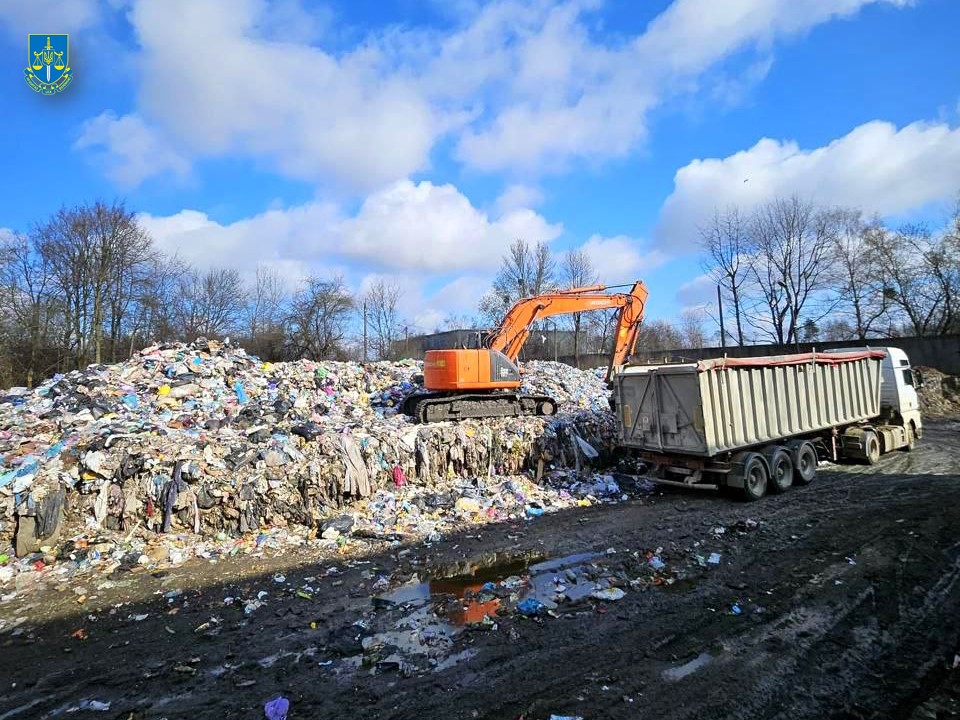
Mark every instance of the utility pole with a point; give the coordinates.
(723, 333)
(365, 331)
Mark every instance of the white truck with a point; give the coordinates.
(761, 424)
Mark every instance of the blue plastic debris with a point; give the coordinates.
(736, 609)
(656, 563)
(28, 466)
(241, 393)
(531, 606)
(277, 708)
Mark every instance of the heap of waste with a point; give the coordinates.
(206, 439)
(940, 394)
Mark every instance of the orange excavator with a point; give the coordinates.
(486, 382)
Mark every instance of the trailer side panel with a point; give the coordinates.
(717, 406)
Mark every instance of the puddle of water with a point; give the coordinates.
(565, 579)
(681, 671)
(451, 660)
(421, 620)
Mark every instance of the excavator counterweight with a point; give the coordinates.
(486, 382)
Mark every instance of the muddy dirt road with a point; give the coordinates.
(841, 599)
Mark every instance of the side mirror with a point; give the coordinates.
(917, 378)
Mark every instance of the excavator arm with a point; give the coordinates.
(513, 332)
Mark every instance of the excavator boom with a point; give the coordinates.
(513, 332)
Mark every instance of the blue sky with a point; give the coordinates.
(414, 139)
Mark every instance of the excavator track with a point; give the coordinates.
(438, 407)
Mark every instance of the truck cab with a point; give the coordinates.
(898, 390)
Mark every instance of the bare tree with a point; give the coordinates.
(210, 304)
(577, 271)
(28, 300)
(656, 335)
(381, 302)
(319, 319)
(97, 255)
(790, 268)
(155, 318)
(902, 259)
(727, 244)
(455, 321)
(524, 272)
(859, 280)
(265, 310)
(692, 334)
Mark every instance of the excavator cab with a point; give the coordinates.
(470, 369)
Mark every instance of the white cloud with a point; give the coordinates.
(434, 228)
(693, 34)
(521, 86)
(518, 196)
(699, 292)
(38, 16)
(568, 96)
(214, 78)
(875, 167)
(129, 149)
(422, 229)
(621, 259)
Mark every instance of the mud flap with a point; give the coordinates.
(734, 480)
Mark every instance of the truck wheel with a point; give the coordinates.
(781, 469)
(871, 447)
(804, 463)
(755, 477)
(911, 438)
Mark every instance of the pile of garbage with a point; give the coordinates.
(572, 388)
(940, 394)
(206, 439)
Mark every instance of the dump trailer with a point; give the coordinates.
(761, 424)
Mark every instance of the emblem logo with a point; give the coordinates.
(48, 63)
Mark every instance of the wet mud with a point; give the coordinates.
(836, 600)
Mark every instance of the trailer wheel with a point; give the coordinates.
(871, 447)
(781, 469)
(804, 463)
(755, 477)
